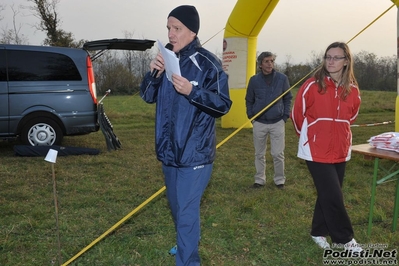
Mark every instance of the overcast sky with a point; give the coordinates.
(295, 29)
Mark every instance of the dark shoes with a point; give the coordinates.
(257, 185)
(281, 186)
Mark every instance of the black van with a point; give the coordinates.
(49, 92)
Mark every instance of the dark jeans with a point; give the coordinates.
(330, 216)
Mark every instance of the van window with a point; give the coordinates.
(40, 66)
(3, 73)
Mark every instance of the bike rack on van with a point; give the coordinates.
(107, 129)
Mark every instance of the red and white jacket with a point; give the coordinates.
(322, 122)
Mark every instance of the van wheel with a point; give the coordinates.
(41, 131)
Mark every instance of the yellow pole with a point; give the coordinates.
(396, 2)
(239, 53)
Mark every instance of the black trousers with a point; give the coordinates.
(330, 216)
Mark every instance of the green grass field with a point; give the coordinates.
(240, 226)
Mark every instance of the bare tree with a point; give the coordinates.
(2, 8)
(373, 73)
(112, 73)
(137, 63)
(143, 59)
(46, 12)
(13, 35)
(128, 55)
(316, 59)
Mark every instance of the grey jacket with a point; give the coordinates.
(260, 94)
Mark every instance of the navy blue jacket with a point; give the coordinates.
(260, 94)
(185, 130)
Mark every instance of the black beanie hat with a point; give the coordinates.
(187, 15)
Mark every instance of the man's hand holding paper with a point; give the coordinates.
(170, 60)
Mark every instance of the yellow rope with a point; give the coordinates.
(217, 146)
(115, 226)
(212, 37)
(371, 23)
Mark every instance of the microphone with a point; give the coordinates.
(154, 72)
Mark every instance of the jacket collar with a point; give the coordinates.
(272, 74)
(189, 49)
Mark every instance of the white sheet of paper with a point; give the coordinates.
(171, 61)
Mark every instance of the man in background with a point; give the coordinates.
(264, 88)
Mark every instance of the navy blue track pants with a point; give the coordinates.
(184, 190)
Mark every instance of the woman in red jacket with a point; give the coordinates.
(325, 107)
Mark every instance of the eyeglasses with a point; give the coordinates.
(335, 58)
(268, 61)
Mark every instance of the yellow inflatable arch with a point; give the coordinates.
(239, 53)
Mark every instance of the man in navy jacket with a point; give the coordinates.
(185, 130)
